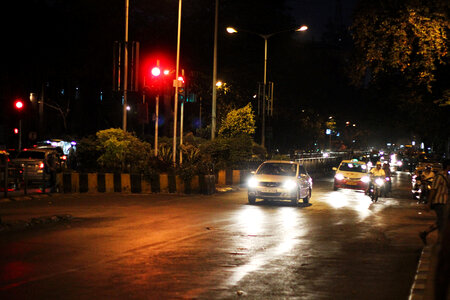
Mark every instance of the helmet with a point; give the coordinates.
(378, 163)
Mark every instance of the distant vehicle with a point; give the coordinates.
(32, 162)
(420, 188)
(11, 171)
(60, 153)
(351, 174)
(280, 180)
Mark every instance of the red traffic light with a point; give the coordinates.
(18, 104)
(156, 71)
(16, 131)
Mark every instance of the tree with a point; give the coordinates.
(239, 121)
(407, 37)
(121, 150)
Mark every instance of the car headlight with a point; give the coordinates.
(365, 179)
(289, 184)
(252, 182)
(339, 176)
(379, 181)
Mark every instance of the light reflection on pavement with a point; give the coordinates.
(251, 221)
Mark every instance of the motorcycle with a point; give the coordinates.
(387, 186)
(375, 188)
(424, 190)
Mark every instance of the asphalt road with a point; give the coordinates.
(155, 246)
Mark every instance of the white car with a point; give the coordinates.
(280, 180)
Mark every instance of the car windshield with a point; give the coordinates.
(31, 155)
(352, 167)
(281, 169)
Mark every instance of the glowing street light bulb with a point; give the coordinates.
(166, 72)
(219, 83)
(302, 28)
(128, 108)
(231, 30)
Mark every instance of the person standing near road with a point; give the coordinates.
(51, 170)
(438, 198)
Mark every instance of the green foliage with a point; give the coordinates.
(122, 150)
(87, 154)
(224, 152)
(409, 37)
(239, 121)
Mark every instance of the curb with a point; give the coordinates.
(24, 198)
(420, 288)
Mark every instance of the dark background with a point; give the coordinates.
(65, 49)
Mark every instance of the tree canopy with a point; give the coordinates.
(239, 121)
(410, 38)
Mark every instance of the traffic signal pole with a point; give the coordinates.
(125, 69)
(177, 69)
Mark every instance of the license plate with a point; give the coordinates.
(352, 182)
(269, 190)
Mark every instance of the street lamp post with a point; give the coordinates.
(232, 30)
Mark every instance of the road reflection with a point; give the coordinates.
(254, 220)
(355, 200)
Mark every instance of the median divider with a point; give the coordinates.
(135, 183)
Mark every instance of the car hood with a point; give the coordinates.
(273, 178)
(352, 174)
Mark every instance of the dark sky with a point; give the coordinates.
(317, 13)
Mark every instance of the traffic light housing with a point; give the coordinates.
(181, 89)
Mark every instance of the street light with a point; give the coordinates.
(232, 30)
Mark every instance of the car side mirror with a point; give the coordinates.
(334, 169)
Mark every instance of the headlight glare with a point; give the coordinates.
(289, 184)
(365, 179)
(339, 176)
(379, 181)
(252, 182)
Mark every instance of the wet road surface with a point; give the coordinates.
(340, 246)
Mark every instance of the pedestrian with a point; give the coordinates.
(438, 199)
(50, 168)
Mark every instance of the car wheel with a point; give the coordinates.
(306, 199)
(251, 199)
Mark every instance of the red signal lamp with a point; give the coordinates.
(18, 104)
(180, 78)
(16, 130)
(156, 71)
(166, 72)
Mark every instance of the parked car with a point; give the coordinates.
(7, 169)
(32, 162)
(351, 174)
(280, 180)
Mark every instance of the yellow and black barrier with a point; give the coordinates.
(134, 183)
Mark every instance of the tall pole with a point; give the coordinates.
(177, 68)
(214, 88)
(156, 124)
(20, 133)
(125, 69)
(263, 127)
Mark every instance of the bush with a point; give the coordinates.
(122, 151)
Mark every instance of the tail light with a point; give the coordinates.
(41, 165)
(63, 157)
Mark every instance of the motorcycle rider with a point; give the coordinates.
(426, 179)
(374, 173)
(428, 174)
(387, 171)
